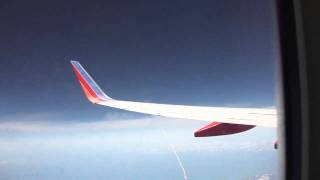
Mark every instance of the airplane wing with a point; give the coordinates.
(225, 120)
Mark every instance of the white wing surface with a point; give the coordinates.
(240, 116)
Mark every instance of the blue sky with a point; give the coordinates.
(215, 53)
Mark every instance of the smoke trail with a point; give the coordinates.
(185, 177)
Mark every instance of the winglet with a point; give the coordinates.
(90, 88)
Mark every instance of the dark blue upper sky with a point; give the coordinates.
(182, 52)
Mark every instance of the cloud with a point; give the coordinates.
(43, 123)
(39, 123)
(117, 128)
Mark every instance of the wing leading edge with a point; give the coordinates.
(226, 120)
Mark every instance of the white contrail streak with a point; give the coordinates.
(176, 155)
